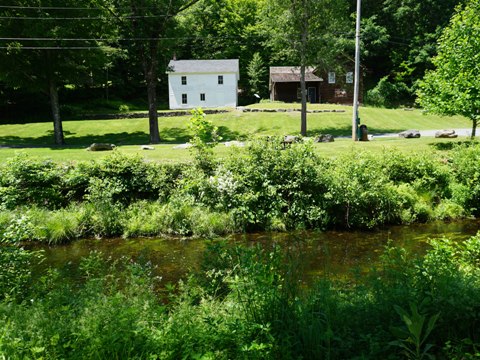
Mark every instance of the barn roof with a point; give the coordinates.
(291, 74)
(203, 66)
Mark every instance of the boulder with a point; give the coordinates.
(101, 147)
(324, 138)
(147, 147)
(410, 134)
(290, 139)
(449, 134)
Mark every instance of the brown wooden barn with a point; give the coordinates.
(329, 87)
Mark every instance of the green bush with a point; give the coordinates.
(33, 182)
(389, 94)
(360, 195)
(16, 275)
(466, 188)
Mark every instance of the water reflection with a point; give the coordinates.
(333, 252)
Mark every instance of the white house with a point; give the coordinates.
(203, 83)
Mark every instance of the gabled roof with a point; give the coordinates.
(203, 66)
(291, 74)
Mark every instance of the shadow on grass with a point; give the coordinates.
(229, 135)
(347, 131)
(167, 136)
(452, 144)
(73, 141)
(173, 135)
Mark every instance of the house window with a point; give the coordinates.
(184, 99)
(220, 79)
(331, 77)
(184, 80)
(349, 77)
(202, 97)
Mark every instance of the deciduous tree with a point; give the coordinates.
(148, 21)
(304, 32)
(453, 88)
(39, 52)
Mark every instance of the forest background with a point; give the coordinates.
(100, 55)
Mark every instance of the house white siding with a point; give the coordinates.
(202, 89)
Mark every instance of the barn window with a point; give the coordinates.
(184, 99)
(220, 79)
(184, 80)
(331, 77)
(349, 77)
(202, 97)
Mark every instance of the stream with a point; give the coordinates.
(334, 252)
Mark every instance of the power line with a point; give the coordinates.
(64, 8)
(83, 17)
(60, 48)
(129, 39)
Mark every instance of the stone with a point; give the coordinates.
(448, 134)
(147, 147)
(101, 147)
(324, 138)
(290, 139)
(410, 134)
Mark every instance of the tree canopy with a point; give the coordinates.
(304, 32)
(51, 46)
(453, 88)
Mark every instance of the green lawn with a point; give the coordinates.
(128, 134)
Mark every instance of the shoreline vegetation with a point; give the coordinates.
(260, 187)
(245, 302)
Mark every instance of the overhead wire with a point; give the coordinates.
(15, 7)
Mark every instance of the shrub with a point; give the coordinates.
(25, 181)
(123, 108)
(359, 194)
(466, 189)
(16, 266)
(389, 94)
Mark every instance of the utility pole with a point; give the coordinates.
(356, 86)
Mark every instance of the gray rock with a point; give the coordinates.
(101, 147)
(290, 139)
(324, 138)
(449, 134)
(147, 147)
(410, 134)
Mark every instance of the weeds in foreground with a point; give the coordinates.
(246, 302)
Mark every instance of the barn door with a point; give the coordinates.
(312, 95)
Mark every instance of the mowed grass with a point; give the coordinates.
(128, 134)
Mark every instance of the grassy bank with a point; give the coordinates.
(128, 134)
(260, 187)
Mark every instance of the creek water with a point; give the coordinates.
(334, 252)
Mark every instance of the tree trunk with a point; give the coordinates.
(152, 111)
(57, 121)
(303, 89)
(150, 64)
(474, 127)
(303, 63)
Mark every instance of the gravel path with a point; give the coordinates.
(428, 133)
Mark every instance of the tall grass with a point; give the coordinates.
(261, 187)
(246, 302)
